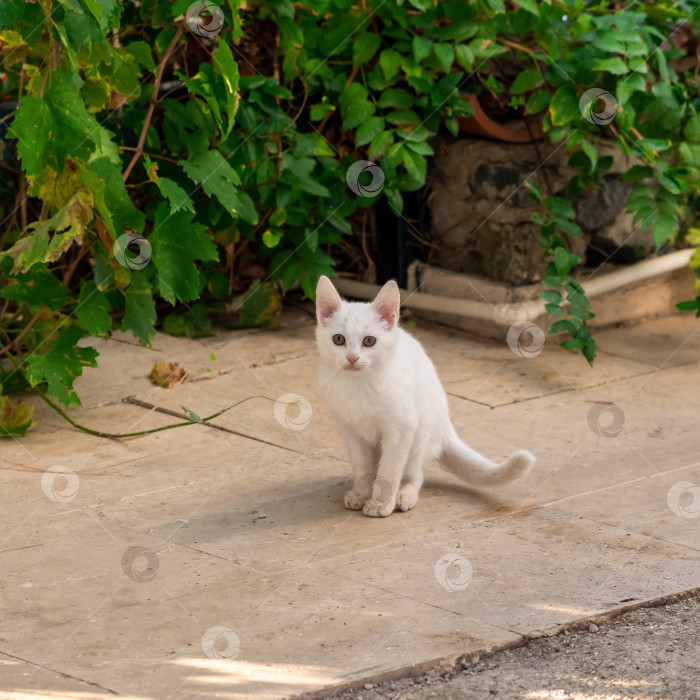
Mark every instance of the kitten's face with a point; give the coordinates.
(355, 337)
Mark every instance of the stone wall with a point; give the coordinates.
(481, 209)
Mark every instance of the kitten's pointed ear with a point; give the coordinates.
(328, 300)
(388, 302)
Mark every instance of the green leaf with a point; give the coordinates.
(564, 106)
(529, 6)
(558, 205)
(104, 179)
(415, 164)
(36, 287)
(628, 86)
(61, 365)
(53, 128)
(554, 309)
(421, 48)
(191, 415)
(278, 217)
(614, 65)
(93, 310)
(564, 261)
(525, 81)
(655, 144)
(380, 143)
(176, 196)
(691, 130)
(535, 191)
(209, 169)
(101, 9)
(261, 306)
(367, 131)
(223, 59)
(140, 308)
(637, 173)
(465, 57)
(425, 149)
(563, 326)
(271, 238)
(496, 5)
(176, 242)
(551, 295)
(538, 101)
(397, 98)
(141, 51)
(389, 60)
(301, 169)
(445, 55)
(669, 183)
(364, 48)
(403, 118)
(571, 343)
(355, 108)
(16, 418)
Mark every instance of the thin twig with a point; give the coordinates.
(115, 436)
(15, 342)
(152, 104)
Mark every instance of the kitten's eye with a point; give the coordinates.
(369, 341)
(339, 339)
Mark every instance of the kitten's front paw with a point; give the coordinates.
(408, 497)
(353, 501)
(378, 509)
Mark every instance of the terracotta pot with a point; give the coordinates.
(481, 125)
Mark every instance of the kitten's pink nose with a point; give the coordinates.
(352, 358)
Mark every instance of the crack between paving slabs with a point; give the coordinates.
(556, 391)
(60, 673)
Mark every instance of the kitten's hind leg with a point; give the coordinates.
(363, 458)
(412, 479)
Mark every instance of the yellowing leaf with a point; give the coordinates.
(693, 236)
(69, 225)
(165, 374)
(16, 418)
(695, 259)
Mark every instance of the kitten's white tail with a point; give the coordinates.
(476, 470)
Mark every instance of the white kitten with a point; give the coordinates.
(390, 407)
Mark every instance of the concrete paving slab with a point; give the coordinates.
(162, 645)
(490, 372)
(664, 506)
(124, 366)
(667, 342)
(554, 371)
(503, 571)
(24, 680)
(249, 533)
